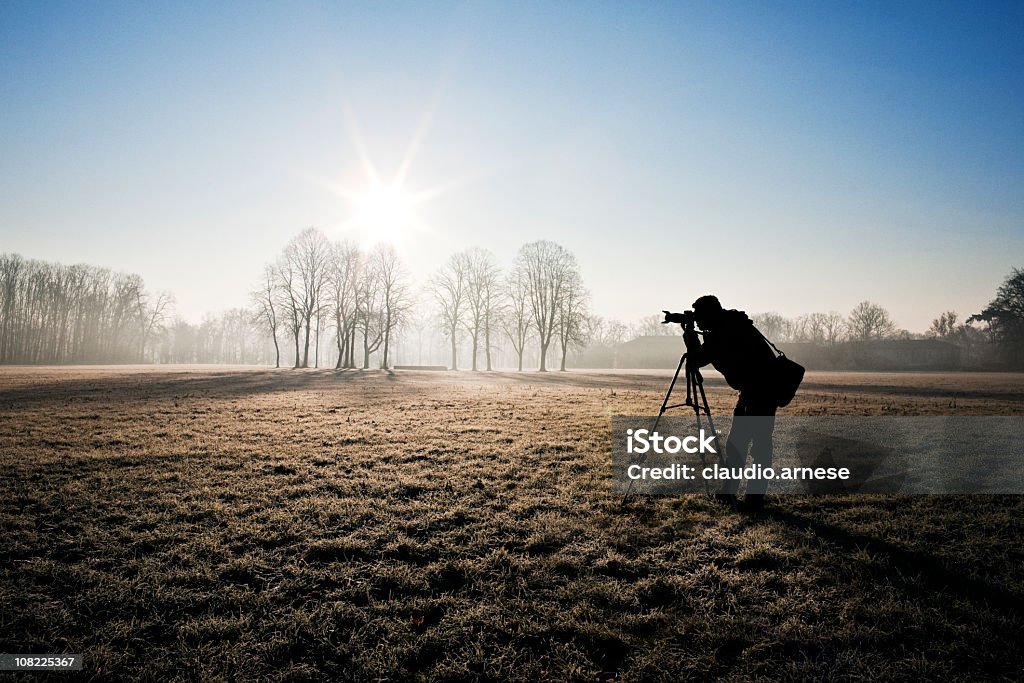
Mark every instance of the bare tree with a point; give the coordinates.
(944, 325)
(128, 291)
(833, 327)
(10, 276)
(318, 315)
(482, 285)
(612, 333)
(515, 316)
(265, 301)
(548, 268)
(154, 314)
(369, 309)
(800, 328)
(394, 294)
(422, 323)
(571, 315)
(651, 326)
(449, 288)
(311, 252)
(52, 313)
(343, 278)
(301, 278)
(870, 321)
(290, 295)
(773, 326)
(594, 329)
(809, 328)
(493, 300)
(235, 336)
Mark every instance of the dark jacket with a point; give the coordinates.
(737, 350)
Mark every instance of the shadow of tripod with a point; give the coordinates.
(695, 398)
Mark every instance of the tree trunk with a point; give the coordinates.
(544, 356)
(305, 351)
(277, 353)
(520, 354)
(474, 352)
(564, 350)
(454, 365)
(387, 340)
(487, 344)
(297, 349)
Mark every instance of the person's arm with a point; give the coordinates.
(696, 352)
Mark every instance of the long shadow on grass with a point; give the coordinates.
(221, 384)
(935, 574)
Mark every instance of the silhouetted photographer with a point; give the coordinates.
(750, 363)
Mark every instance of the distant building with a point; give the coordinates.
(885, 354)
(904, 354)
(650, 352)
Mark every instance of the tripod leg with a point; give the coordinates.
(711, 423)
(661, 411)
(693, 378)
(668, 394)
(689, 384)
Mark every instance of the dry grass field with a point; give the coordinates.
(230, 523)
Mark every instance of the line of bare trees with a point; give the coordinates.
(358, 300)
(230, 337)
(541, 299)
(317, 287)
(53, 313)
(334, 300)
(867, 321)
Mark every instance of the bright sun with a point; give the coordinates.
(384, 211)
(385, 214)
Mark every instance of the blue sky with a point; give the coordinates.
(799, 156)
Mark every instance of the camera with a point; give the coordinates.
(685, 318)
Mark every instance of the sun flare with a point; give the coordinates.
(385, 215)
(385, 210)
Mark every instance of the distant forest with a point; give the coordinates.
(324, 303)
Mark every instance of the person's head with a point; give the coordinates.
(707, 311)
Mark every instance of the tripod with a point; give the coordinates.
(696, 399)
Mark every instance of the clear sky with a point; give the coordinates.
(788, 156)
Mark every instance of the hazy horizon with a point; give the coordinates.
(790, 159)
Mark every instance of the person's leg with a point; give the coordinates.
(761, 425)
(738, 445)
